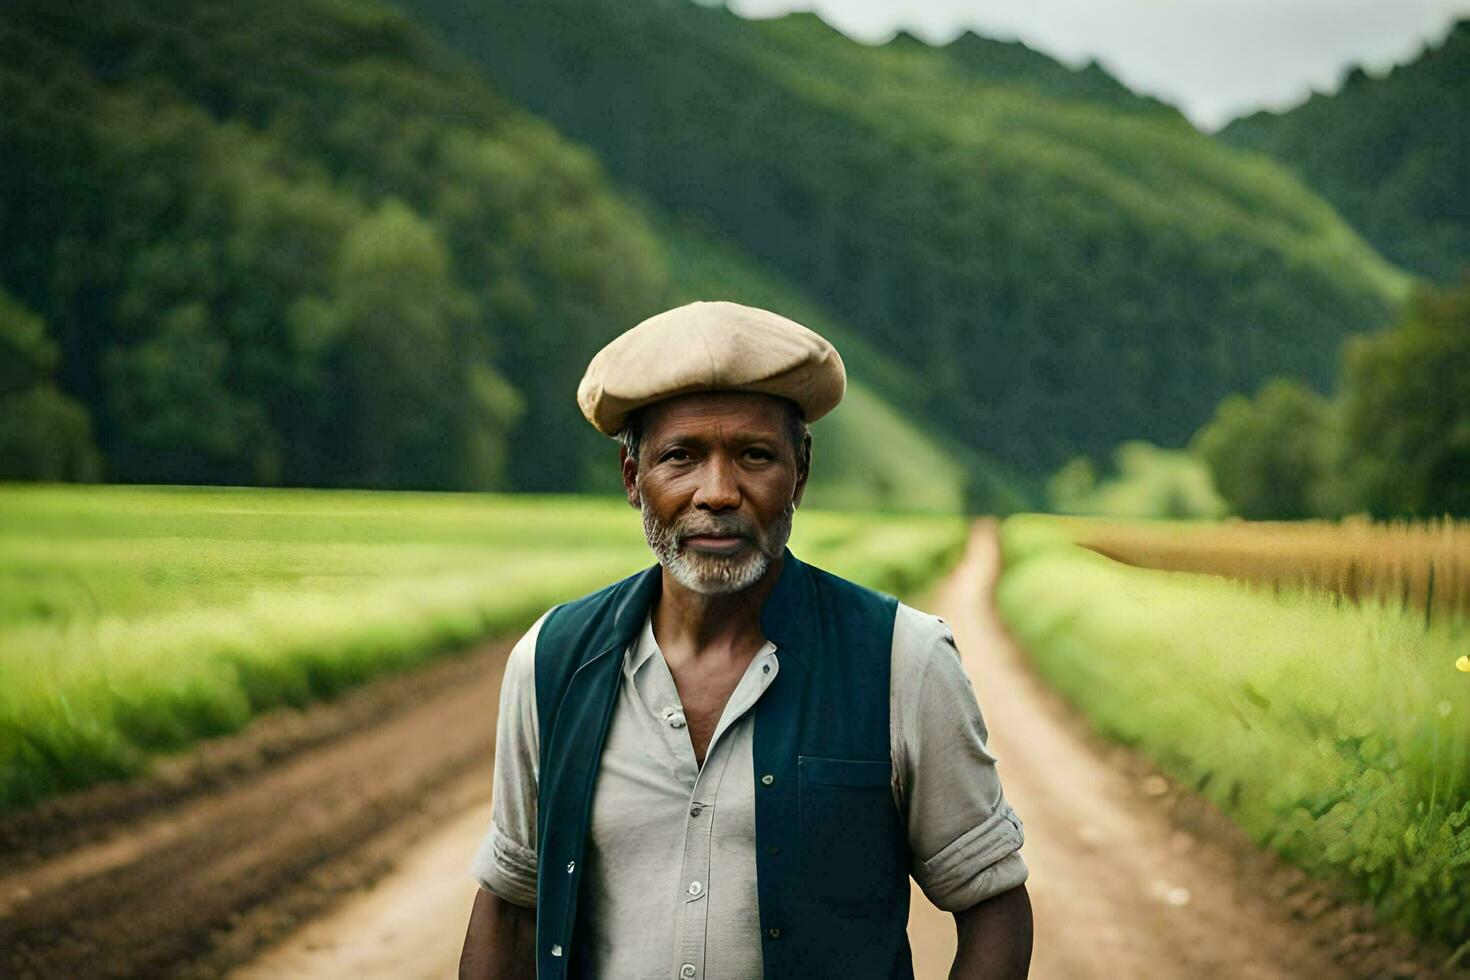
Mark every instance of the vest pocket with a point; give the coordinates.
(852, 849)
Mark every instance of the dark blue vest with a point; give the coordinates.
(831, 852)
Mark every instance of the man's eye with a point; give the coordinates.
(760, 454)
(674, 455)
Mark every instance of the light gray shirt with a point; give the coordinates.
(670, 859)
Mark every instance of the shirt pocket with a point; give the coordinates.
(851, 847)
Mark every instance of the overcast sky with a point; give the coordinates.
(1214, 59)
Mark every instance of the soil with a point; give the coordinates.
(334, 842)
(201, 866)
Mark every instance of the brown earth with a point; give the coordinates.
(198, 868)
(333, 842)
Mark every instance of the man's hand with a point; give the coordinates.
(994, 938)
(500, 941)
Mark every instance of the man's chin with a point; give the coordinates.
(714, 573)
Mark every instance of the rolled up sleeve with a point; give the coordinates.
(964, 837)
(505, 862)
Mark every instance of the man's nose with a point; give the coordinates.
(718, 489)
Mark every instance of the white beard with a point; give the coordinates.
(711, 574)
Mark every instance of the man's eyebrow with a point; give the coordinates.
(698, 439)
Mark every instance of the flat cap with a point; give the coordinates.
(710, 346)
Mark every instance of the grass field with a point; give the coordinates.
(135, 621)
(1337, 734)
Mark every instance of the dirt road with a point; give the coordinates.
(1117, 891)
(334, 843)
(201, 866)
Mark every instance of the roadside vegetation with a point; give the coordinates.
(136, 620)
(1332, 732)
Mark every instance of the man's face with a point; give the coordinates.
(717, 480)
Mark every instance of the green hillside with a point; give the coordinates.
(297, 243)
(1060, 271)
(303, 243)
(1391, 153)
(1013, 64)
(873, 452)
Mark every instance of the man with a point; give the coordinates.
(728, 764)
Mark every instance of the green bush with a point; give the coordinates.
(1405, 396)
(1271, 456)
(1147, 482)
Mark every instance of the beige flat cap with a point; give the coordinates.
(709, 346)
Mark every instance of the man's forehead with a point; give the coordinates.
(716, 410)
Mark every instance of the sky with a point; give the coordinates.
(1214, 59)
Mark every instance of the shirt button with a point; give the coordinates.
(687, 971)
(773, 848)
(571, 866)
(676, 722)
(695, 810)
(696, 889)
(767, 779)
(766, 669)
(774, 933)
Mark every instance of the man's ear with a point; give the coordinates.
(629, 465)
(805, 470)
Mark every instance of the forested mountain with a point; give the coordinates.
(1013, 64)
(875, 450)
(293, 242)
(1060, 271)
(1393, 154)
(302, 243)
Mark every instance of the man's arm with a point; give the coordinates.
(964, 837)
(500, 940)
(994, 938)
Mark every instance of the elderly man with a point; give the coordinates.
(727, 765)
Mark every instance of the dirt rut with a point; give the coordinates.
(237, 852)
(255, 850)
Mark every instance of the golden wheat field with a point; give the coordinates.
(1423, 565)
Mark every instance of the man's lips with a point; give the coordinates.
(727, 543)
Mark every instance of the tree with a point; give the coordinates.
(44, 434)
(1406, 410)
(175, 417)
(399, 320)
(1148, 481)
(1271, 456)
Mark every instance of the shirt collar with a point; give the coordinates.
(645, 645)
(788, 619)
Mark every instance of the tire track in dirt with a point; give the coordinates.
(256, 850)
(1107, 864)
(197, 886)
(1114, 895)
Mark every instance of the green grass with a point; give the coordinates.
(137, 620)
(1335, 735)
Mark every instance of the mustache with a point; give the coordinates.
(727, 526)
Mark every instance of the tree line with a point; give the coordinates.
(1393, 440)
(293, 243)
(308, 244)
(1062, 266)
